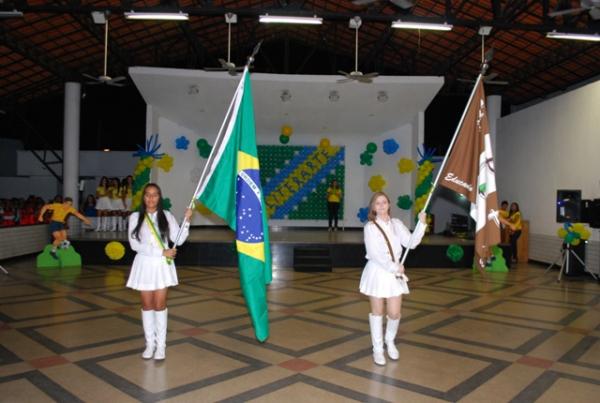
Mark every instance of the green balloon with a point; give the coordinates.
(284, 139)
(372, 148)
(404, 202)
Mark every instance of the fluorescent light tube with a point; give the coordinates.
(283, 19)
(133, 15)
(11, 14)
(578, 37)
(421, 25)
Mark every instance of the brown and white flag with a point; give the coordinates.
(470, 170)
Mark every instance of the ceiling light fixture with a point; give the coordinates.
(421, 25)
(136, 15)
(334, 96)
(578, 37)
(11, 14)
(288, 19)
(382, 96)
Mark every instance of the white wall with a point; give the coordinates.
(550, 146)
(180, 182)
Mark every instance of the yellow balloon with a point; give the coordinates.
(114, 250)
(286, 130)
(575, 242)
(562, 233)
(585, 234)
(325, 143)
(405, 165)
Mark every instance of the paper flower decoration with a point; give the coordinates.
(390, 146)
(455, 252)
(165, 163)
(114, 250)
(166, 204)
(405, 165)
(363, 214)
(404, 202)
(182, 143)
(377, 183)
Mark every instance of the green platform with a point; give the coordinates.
(66, 258)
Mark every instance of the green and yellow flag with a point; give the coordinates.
(233, 192)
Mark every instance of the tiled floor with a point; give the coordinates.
(75, 335)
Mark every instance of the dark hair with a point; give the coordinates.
(503, 202)
(163, 224)
(372, 213)
(87, 201)
(334, 181)
(105, 180)
(517, 207)
(68, 199)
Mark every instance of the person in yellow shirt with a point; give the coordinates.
(514, 217)
(334, 198)
(60, 211)
(102, 204)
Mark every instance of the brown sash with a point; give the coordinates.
(389, 245)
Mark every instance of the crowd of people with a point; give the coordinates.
(109, 208)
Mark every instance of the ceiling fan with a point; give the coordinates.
(105, 78)
(228, 65)
(592, 5)
(486, 58)
(403, 4)
(356, 75)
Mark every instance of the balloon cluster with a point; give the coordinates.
(424, 178)
(366, 158)
(114, 250)
(286, 132)
(363, 214)
(390, 146)
(204, 148)
(149, 157)
(404, 202)
(405, 165)
(182, 143)
(573, 234)
(377, 183)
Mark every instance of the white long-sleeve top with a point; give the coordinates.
(399, 237)
(148, 245)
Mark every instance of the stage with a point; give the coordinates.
(215, 246)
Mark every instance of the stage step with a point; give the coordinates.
(312, 259)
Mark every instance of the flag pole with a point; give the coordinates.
(441, 169)
(219, 138)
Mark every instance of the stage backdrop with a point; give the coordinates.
(295, 179)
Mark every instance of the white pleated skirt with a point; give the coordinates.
(149, 273)
(103, 203)
(117, 204)
(378, 282)
(128, 203)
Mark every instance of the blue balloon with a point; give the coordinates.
(390, 146)
(363, 214)
(181, 143)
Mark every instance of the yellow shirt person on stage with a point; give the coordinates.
(334, 198)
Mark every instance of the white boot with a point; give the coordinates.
(98, 224)
(105, 223)
(161, 334)
(119, 223)
(149, 329)
(390, 334)
(376, 323)
(113, 223)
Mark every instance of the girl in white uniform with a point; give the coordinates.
(383, 277)
(103, 205)
(153, 270)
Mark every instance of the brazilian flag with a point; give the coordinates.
(233, 192)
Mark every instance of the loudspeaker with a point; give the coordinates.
(568, 205)
(590, 212)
